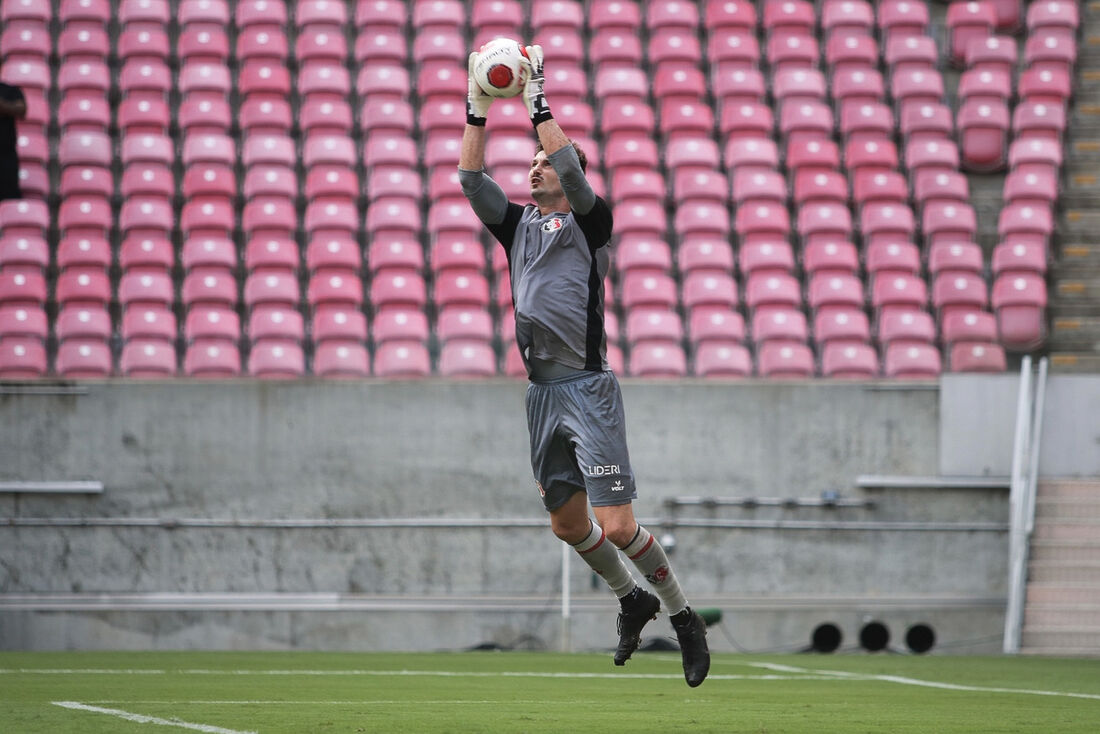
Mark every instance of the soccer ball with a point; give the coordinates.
(498, 69)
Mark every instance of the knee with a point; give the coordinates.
(621, 532)
(572, 530)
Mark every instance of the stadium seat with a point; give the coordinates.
(898, 290)
(341, 359)
(841, 324)
(785, 360)
(955, 256)
(464, 322)
(969, 326)
(1019, 257)
(24, 320)
(400, 324)
(203, 285)
(149, 322)
(22, 358)
(966, 21)
(648, 289)
(905, 326)
(212, 359)
(772, 289)
(657, 360)
(912, 361)
(927, 120)
(402, 360)
(276, 359)
(948, 222)
(762, 257)
(717, 359)
(965, 356)
(958, 291)
(704, 254)
(829, 290)
(147, 358)
(1019, 302)
(832, 257)
(84, 286)
(84, 359)
(715, 324)
(849, 360)
(1023, 223)
(776, 323)
(983, 135)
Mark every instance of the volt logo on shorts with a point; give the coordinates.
(552, 225)
(617, 486)
(604, 470)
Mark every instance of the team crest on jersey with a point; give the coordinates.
(552, 225)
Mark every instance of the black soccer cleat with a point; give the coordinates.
(692, 634)
(633, 617)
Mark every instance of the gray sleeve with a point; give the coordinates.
(487, 199)
(577, 190)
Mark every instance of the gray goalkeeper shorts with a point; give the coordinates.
(578, 440)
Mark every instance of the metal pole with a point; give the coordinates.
(566, 600)
(1014, 610)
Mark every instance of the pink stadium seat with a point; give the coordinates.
(557, 14)
(738, 85)
(654, 324)
(206, 217)
(402, 360)
(898, 290)
(758, 185)
(884, 187)
(644, 217)
(630, 184)
(912, 361)
(87, 148)
(264, 180)
(143, 13)
(657, 360)
(467, 358)
(27, 252)
(948, 222)
(672, 14)
(261, 13)
(93, 213)
(1047, 85)
(147, 358)
(958, 291)
(954, 257)
(715, 324)
(830, 257)
(866, 121)
(849, 360)
(567, 82)
(32, 147)
(207, 114)
(441, 78)
(841, 325)
(83, 321)
(993, 53)
(792, 51)
(32, 76)
(142, 77)
(680, 118)
(717, 359)
(339, 323)
(377, 81)
(966, 21)
(830, 290)
(762, 222)
(89, 12)
(847, 18)
(276, 359)
(336, 250)
(73, 44)
(151, 322)
(913, 87)
(824, 222)
(140, 115)
(754, 154)
(1019, 257)
(1048, 51)
(380, 45)
(772, 289)
(983, 134)
(334, 287)
(203, 13)
(83, 285)
(22, 357)
(674, 46)
(679, 83)
(1009, 14)
(940, 186)
(704, 218)
(329, 216)
(271, 288)
(388, 118)
(704, 254)
(323, 14)
(969, 326)
(563, 43)
(398, 289)
(1023, 223)
(844, 52)
(395, 253)
(461, 288)
(400, 325)
(648, 289)
(977, 357)
(869, 155)
(29, 11)
(203, 45)
(1019, 302)
(613, 14)
(84, 359)
(785, 360)
(464, 322)
(212, 359)
(732, 49)
(341, 359)
(893, 257)
(1035, 155)
(931, 155)
(779, 323)
(142, 251)
(886, 222)
(903, 18)
(207, 322)
(789, 17)
(1038, 119)
(709, 288)
(764, 257)
(24, 218)
(806, 122)
(208, 285)
(642, 254)
(388, 13)
(861, 86)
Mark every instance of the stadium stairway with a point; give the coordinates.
(1074, 343)
(1062, 610)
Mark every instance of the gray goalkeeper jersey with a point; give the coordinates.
(557, 265)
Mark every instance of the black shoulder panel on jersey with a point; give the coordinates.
(505, 232)
(596, 224)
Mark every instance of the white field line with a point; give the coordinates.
(408, 673)
(142, 719)
(901, 680)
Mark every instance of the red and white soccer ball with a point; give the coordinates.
(498, 68)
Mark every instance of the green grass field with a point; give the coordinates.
(514, 692)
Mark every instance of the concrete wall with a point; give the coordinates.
(402, 515)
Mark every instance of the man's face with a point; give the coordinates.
(543, 178)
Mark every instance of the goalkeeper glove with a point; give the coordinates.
(533, 95)
(477, 101)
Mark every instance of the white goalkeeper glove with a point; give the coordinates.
(533, 95)
(477, 101)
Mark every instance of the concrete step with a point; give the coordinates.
(1061, 616)
(1058, 509)
(1062, 551)
(1064, 572)
(1079, 531)
(1068, 489)
(1060, 641)
(1079, 255)
(1069, 596)
(1075, 362)
(1080, 288)
(1074, 332)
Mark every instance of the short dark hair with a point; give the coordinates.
(580, 153)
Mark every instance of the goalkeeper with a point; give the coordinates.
(557, 252)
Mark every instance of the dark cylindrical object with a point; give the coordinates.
(826, 637)
(920, 638)
(874, 636)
